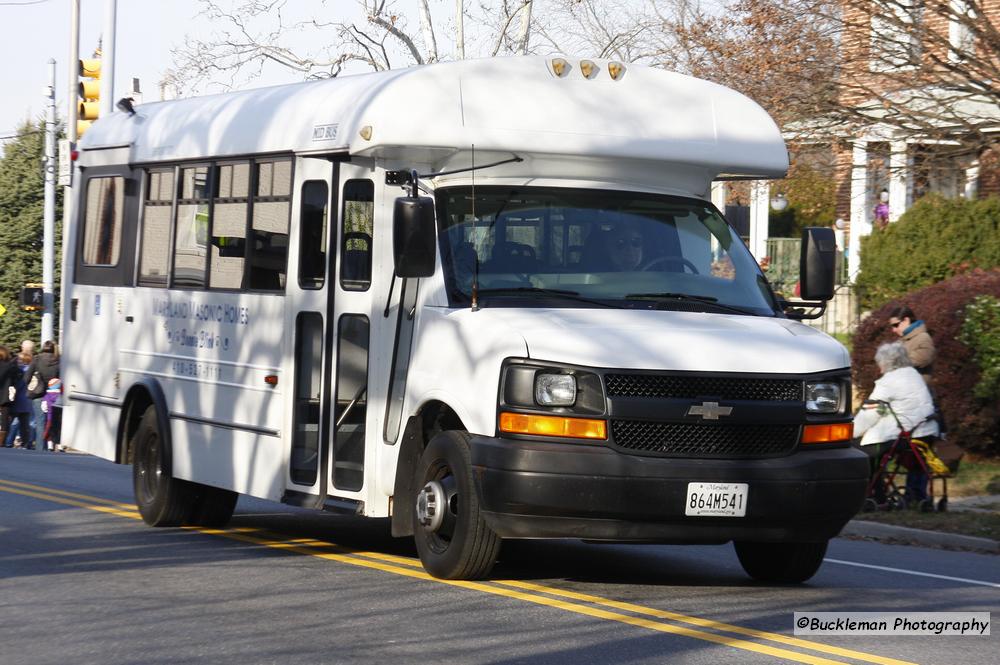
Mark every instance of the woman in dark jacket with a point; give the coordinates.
(8, 376)
(20, 409)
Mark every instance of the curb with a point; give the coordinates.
(863, 529)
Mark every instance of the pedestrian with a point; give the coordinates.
(902, 389)
(917, 341)
(27, 346)
(44, 368)
(8, 378)
(52, 406)
(881, 211)
(20, 408)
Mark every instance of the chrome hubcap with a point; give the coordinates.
(431, 506)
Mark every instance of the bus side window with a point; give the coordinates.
(154, 259)
(268, 250)
(356, 237)
(312, 234)
(229, 226)
(102, 229)
(191, 230)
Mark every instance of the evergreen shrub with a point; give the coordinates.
(973, 421)
(935, 239)
(981, 333)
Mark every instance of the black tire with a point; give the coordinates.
(161, 499)
(213, 506)
(869, 506)
(460, 546)
(783, 563)
(943, 505)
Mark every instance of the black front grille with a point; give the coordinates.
(701, 387)
(701, 440)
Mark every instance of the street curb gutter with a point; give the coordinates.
(863, 529)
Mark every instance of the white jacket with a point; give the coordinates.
(905, 391)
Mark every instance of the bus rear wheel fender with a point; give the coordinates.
(452, 538)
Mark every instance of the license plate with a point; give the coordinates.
(716, 499)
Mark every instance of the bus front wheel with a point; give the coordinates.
(782, 563)
(452, 539)
(162, 500)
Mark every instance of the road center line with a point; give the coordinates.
(913, 572)
(524, 591)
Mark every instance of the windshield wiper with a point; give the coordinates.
(686, 297)
(557, 293)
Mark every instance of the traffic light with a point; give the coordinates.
(90, 92)
(32, 298)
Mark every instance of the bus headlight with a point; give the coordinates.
(555, 389)
(823, 397)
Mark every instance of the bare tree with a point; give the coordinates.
(827, 69)
(253, 34)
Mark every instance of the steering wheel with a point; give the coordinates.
(663, 260)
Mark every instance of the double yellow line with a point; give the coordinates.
(663, 621)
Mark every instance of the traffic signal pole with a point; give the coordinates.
(108, 58)
(72, 104)
(74, 81)
(49, 218)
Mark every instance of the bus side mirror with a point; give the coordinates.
(413, 236)
(817, 263)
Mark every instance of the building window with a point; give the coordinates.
(961, 39)
(103, 222)
(895, 36)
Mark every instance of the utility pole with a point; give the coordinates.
(108, 59)
(49, 219)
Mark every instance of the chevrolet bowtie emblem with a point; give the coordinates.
(709, 410)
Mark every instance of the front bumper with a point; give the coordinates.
(560, 490)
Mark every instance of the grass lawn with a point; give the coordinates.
(974, 473)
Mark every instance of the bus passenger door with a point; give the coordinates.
(309, 295)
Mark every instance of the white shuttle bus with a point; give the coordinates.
(488, 299)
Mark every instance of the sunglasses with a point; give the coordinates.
(634, 241)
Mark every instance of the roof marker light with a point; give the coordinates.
(617, 70)
(366, 132)
(560, 67)
(589, 69)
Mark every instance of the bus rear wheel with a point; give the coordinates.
(452, 538)
(782, 563)
(162, 500)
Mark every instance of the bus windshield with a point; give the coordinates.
(544, 247)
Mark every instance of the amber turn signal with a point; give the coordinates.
(827, 433)
(573, 428)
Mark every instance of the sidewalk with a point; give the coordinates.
(988, 504)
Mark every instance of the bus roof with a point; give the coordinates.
(504, 105)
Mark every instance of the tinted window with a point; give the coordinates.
(103, 222)
(229, 226)
(268, 249)
(356, 236)
(154, 262)
(191, 231)
(312, 234)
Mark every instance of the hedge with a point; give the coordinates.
(935, 239)
(973, 421)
